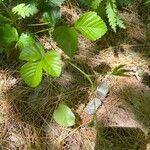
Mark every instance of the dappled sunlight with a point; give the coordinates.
(75, 75)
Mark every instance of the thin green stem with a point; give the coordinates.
(38, 24)
(86, 75)
(44, 30)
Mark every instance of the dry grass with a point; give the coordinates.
(26, 121)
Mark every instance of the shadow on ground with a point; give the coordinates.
(120, 138)
(136, 100)
(34, 107)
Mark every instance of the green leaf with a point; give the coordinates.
(120, 71)
(91, 26)
(147, 2)
(31, 73)
(52, 63)
(120, 23)
(95, 4)
(55, 3)
(25, 10)
(1, 1)
(52, 17)
(112, 14)
(8, 34)
(25, 40)
(67, 39)
(111, 10)
(64, 116)
(32, 53)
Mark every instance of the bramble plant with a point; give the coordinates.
(39, 60)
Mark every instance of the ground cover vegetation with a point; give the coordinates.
(68, 26)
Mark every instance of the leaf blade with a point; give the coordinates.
(52, 63)
(25, 10)
(51, 17)
(91, 26)
(8, 33)
(32, 53)
(111, 10)
(31, 73)
(25, 40)
(64, 116)
(67, 39)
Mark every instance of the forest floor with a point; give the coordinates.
(122, 121)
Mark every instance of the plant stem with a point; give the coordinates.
(44, 30)
(38, 24)
(86, 75)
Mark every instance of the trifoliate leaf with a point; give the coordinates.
(67, 39)
(32, 53)
(25, 40)
(64, 116)
(31, 73)
(91, 26)
(52, 63)
(25, 10)
(8, 34)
